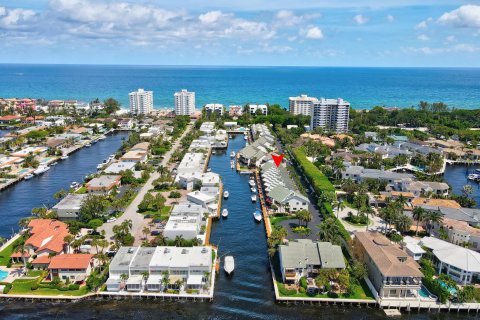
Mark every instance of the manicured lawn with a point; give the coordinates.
(24, 286)
(275, 220)
(165, 210)
(361, 292)
(36, 273)
(5, 254)
(81, 190)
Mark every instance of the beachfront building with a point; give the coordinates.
(185, 220)
(211, 108)
(392, 272)
(69, 207)
(235, 111)
(304, 258)
(141, 102)
(189, 265)
(72, 267)
(184, 103)
(103, 184)
(330, 114)
(258, 108)
(301, 104)
(460, 263)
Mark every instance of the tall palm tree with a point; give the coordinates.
(146, 231)
(179, 241)
(433, 217)
(368, 211)
(403, 223)
(67, 240)
(340, 205)
(165, 279)
(419, 215)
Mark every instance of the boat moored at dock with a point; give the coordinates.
(254, 198)
(41, 169)
(257, 215)
(229, 265)
(226, 194)
(28, 176)
(224, 213)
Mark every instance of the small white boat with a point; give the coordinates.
(102, 138)
(28, 176)
(226, 194)
(64, 157)
(245, 137)
(232, 154)
(74, 185)
(214, 152)
(245, 133)
(88, 145)
(257, 215)
(254, 198)
(253, 189)
(229, 264)
(473, 176)
(224, 213)
(99, 166)
(230, 136)
(251, 183)
(41, 169)
(53, 164)
(209, 169)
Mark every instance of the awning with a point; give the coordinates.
(173, 279)
(155, 279)
(195, 279)
(134, 280)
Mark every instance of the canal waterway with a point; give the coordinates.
(247, 294)
(456, 177)
(17, 201)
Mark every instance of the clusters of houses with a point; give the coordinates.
(254, 154)
(46, 249)
(140, 269)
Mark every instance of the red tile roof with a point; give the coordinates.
(71, 261)
(47, 234)
(42, 260)
(18, 254)
(10, 117)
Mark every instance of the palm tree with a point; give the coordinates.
(433, 217)
(165, 279)
(329, 231)
(2, 240)
(340, 205)
(368, 211)
(179, 241)
(388, 214)
(146, 231)
(124, 278)
(419, 215)
(68, 239)
(403, 223)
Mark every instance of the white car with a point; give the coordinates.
(112, 220)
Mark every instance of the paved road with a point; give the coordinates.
(131, 211)
(377, 224)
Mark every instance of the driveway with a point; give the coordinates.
(376, 223)
(130, 212)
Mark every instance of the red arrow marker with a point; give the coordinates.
(277, 159)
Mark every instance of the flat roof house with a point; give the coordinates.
(75, 267)
(304, 258)
(185, 220)
(103, 184)
(392, 272)
(117, 167)
(69, 207)
(135, 156)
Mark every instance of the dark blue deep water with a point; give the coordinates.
(362, 87)
(248, 294)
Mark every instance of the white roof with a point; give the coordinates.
(451, 254)
(116, 167)
(136, 279)
(154, 279)
(177, 257)
(195, 279)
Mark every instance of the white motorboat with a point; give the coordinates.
(209, 169)
(230, 136)
(99, 166)
(251, 183)
(41, 169)
(88, 145)
(229, 264)
(64, 157)
(214, 152)
(224, 213)
(53, 164)
(473, 176)
(102, 138)
(232, 154)
(253, 189)
(226, 194)
(232, 164)
(74, 185)
(257, 215)
(254, 198)
(28, 176)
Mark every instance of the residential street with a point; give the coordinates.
(131, 211)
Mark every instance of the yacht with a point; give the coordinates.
(41, 169)
(253, 189)
(28, 176)
(229, 264)
(257, 215)
(64, 157)
(254, 198)
(224, 213)
(251, 183)
(226, 194)
(232, 154)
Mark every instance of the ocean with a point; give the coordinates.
(363, 87)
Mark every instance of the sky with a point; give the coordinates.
(380, 33)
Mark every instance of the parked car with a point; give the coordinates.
(155, 233)
(112, 219)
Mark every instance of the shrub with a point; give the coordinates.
(302, 230)
(9, 264)
(7, 288)
(174, 194)
(73, 287)
(63, 288)
(301, 290)
(284, 291)
(303, 282)
(34, 286)
(332, 294)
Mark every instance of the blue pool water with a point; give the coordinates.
(3, 275)
(424, 293)
(452, 291)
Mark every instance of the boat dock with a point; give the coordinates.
(266, 218)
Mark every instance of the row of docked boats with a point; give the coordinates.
(105, 162)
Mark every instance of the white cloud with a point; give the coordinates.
(287, 18)
(312, 32)
(459, 48)
(390, 18)
(424, 24)
(211, 17)
(360, 19)
(467, 16)
(423, 37)
(15, 18)
(450, 39)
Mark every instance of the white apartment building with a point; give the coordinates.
(331, 114)
(184, 103)
(141, 102)
(214, 108)
(301, 104)
(185, 220)
(254, 107)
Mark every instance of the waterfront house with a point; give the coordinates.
(125, 124)
(25, 152)
(392, 272)
(469, 215)
(199, 145)
(192, 163)
(359, 173)
(103, 184)
(10, 119)
(288, 200)
(7, 162)
(207, 200)
(120, 265)
(135, 156)
(207, 128)
(460, 263)
(304, 258)
(235, 111)
(420, 188)
(412, 247)
(140, 263)
(117, 167)
(74, 267)
(253, 108)
(69, 207)
(198, 179)
(185, 220)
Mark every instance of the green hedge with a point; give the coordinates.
(319, 181)
(284, 291)
(7, 288)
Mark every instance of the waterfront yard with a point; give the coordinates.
(33, 285)
(361, 292)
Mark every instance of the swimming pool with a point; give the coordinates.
(423, 292)
(453, 291)
(3, 275)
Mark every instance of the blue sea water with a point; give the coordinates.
(363, 87)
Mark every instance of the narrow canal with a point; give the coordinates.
(456, 177)
(247, 294)
(17, 201)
